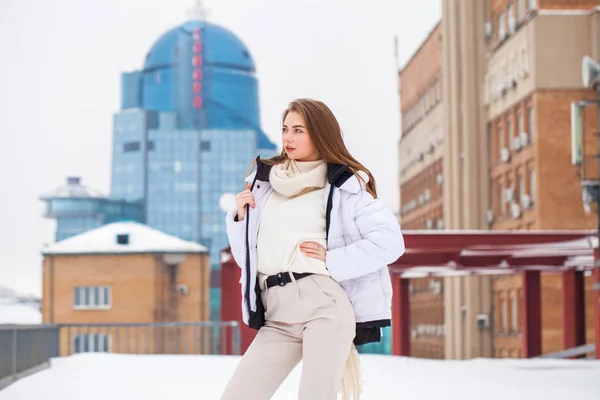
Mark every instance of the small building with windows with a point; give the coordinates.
(78, 208)
(122, 273)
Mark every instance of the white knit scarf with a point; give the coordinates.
(293, 178)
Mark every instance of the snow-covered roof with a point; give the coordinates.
(139, 237)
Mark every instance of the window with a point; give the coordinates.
(205, 145)
(523, 60)
(504, 315)
(511, 18)
(513, 314)
(177, 166)
(92, 297)
(532, 184)
(522, 9)
(91, 343)
(520, 126)
(521, 185)
(502, 198)
(513, 70)
(131, 146)
(123, 238)
(150, 145)
(531, 118)
(509, 131)
(501, 26)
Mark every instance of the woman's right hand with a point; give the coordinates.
(243, 198)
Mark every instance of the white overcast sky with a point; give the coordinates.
(59, 87)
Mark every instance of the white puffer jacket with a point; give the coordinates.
(363, 238)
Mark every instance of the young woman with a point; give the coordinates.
(313, 242)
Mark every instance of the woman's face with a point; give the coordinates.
(296, 140)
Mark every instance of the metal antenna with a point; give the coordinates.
(198, 12)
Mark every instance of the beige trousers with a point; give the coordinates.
(310, 320)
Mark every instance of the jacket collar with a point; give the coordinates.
(339, 175)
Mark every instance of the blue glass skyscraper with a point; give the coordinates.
(188, 127)
(186, 132)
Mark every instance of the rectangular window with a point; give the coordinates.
(532, 184)
(76, 297)
(91, 343)
(131, 146)
(520, 125)
(523, 60)
(501, 26)
(509, 132)
(504, 316)
(205, 145)
(87, 296)
(522, 9)
(150, 145)
(521, 186)
(531, 118)
(96, 300)
(106, 292)
(502, 198)
(513, 314)
(91, 297)
(511, 18)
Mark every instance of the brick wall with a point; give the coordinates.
(139, 294)
(508, 340)
(427, 318)
(559, 189)
(519, 172)
(425, 192)
(568, 4)
(421, 73)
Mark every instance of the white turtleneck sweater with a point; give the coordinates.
(291, 217)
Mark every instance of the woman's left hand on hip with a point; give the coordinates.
(313, 250)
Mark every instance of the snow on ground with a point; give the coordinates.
(149, 377)
(12, 312)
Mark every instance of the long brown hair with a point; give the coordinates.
(326, 135)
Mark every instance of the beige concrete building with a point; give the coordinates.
(465, 161)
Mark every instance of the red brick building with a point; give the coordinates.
(533, 74)
(421, 149)
(494, 153)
